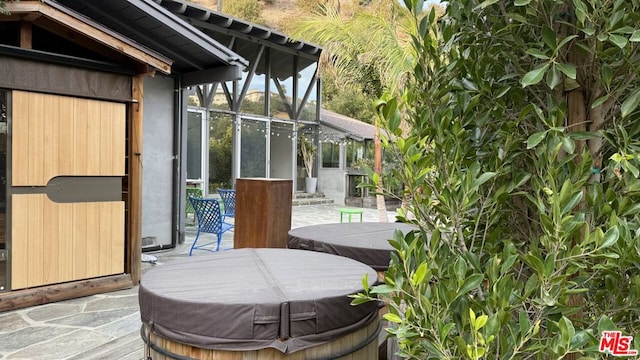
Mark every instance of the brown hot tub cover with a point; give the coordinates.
(367, 243)
(251, 299)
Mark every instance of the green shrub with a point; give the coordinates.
(527, 207)
(249, 10)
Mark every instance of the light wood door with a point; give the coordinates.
(64, 136)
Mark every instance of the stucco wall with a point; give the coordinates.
(157, 161)
(332, 182)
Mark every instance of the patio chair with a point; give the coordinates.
(228, 197)
(210, 220)
(195, 192)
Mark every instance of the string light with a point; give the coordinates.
(277, 129)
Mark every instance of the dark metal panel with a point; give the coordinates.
(74, 189)
(31, 75)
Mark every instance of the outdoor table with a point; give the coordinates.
(366, 242)
(267, 303)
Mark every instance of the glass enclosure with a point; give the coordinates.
(3, 193)
(281, 150)
(254, 123)
(254, 99)
(330, 155)
(309, 133)
(281, 92)
(195, 147)
(355, 154)
(253, 148)
(220, 151)
(222, 96)
(306, 80)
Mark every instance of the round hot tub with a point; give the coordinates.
(366, 242)
(258, 303)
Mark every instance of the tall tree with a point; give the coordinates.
(370, 50)
(522, 160)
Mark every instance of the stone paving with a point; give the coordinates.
(65, 329)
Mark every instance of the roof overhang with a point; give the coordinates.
(200, 15)
(197, 57)
(247, 38)
(44, 13)
(352, 128)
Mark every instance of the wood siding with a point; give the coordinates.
(58, 135)
(54, 243)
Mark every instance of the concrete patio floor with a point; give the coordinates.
(91, 327)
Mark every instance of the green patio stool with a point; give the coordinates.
(349, 212)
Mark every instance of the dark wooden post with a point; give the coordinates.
(263, 213)
(134, 240)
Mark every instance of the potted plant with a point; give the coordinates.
(308, 150)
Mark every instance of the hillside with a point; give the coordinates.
(282, 15)
(276, 14)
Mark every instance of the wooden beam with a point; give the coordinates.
(31, 17)
(134, 243)
(26, 35)
(10, 18)
(15, 7)
(75, 37)
(88, 30)
(46, 294)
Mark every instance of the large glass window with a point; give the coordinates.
(281, 150)
(223, 96)
(254, 99)
(306, 79)
(330, 155)
(253, 148)
(281, 86)
(355, 153)
(309, 134)
(195, 123)
(220, 151)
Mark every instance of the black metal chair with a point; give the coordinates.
(210, 220)
(228, 197)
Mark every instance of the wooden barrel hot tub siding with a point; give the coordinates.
(359, 345)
